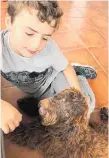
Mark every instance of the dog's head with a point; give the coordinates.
(68, 107)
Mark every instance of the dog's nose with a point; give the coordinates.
(42, 111)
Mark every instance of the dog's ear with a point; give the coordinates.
(70, 133)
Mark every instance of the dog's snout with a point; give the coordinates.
(44, 103)
(42, 111)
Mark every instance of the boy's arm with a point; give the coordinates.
(10, 117)
(71, 77)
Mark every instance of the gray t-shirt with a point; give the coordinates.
(35, 74)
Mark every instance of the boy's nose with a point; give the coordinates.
(35, 44)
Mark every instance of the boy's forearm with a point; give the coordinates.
(71, 77)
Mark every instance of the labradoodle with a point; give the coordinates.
(62, 129)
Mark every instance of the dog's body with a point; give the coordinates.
(65, 132)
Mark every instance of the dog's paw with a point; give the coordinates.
(104, 114)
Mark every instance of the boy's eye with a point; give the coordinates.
(45, 39)
(29, 34)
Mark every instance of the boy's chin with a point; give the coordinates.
(26, 55)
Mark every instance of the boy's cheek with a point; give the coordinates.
(42, 45)
(21, 41)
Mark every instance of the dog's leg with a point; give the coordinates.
(102, 125)
(104, 114)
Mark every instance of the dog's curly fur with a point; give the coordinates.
(62, 129)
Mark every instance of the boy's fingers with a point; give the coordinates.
(16, 123)
(5, 129)
(17, 118)
(20, 118)
(11, 125)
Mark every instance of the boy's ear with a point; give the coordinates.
(8, 22)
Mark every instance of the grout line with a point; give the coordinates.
(93, 56)
(97, 8)
(98, 62)
(98, 30)
(92, 23)
(82, 48)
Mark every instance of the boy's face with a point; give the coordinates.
(27, 34)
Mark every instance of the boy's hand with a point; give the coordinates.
(10, 117)
(71, 77)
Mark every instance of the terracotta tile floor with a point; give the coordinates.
(82, 37)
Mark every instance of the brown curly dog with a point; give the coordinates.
(62, 129)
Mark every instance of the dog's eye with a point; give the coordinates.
(71, 95)
(66, 114)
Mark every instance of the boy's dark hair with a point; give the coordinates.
(47, 10)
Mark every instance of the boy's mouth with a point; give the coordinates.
(31, 51)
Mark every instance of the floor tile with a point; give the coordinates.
(74, 13)
(81, 56)
(89, 12)
(80, 23)
(64, 25)
(82, 4)
(104, 32)
(101, 55)
(100, 4)
(68, 40)
(100, 89)
(71, 24)
(66, 5)
(92, 38)
(100, 22)
(107, 70)
(104, 11)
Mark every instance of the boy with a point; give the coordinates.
(31, 60)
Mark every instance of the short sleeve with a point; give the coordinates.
(59, 61)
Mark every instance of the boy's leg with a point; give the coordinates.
(86, 89)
